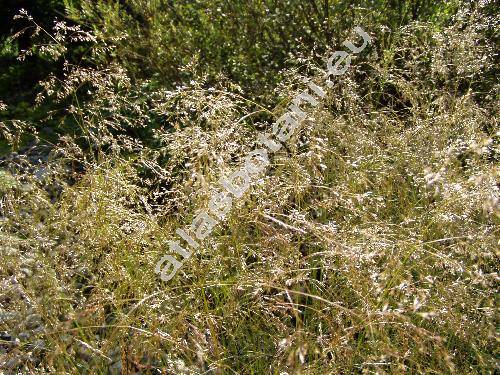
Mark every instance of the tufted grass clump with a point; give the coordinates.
(369, 246)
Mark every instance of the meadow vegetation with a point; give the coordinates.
(370, 245)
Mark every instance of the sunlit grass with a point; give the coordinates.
(369, 245)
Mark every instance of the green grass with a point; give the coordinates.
(387, 262)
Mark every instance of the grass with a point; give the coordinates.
(369, 246)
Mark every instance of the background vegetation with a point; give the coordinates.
(370, 246)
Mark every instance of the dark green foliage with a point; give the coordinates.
(250, 42)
